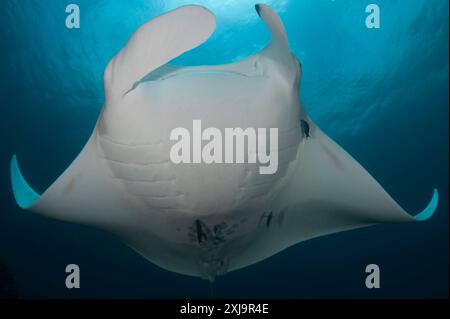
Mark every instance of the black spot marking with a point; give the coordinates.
(200, 234)
(210, 238)
(269, 219)
(305, 128)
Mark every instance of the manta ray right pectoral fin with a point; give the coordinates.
(155, 43)
(85, 193)
(25, 195)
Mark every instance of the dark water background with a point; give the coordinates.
(381, 94)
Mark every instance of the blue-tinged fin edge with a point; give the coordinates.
(430, 209)
(25, 196)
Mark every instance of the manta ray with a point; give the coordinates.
(203, 219)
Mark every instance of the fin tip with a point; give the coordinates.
(430, 209)
(258, 8)
(24, 195)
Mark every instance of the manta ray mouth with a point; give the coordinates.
(168, 71)
(165, 75)
(206, 72)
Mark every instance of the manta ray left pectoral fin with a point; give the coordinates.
(430, 209)
(84, 194)
(332, 191)
(328, 192)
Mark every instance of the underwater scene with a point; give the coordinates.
(90, 91)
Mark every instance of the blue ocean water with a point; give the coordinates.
(380, 93)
